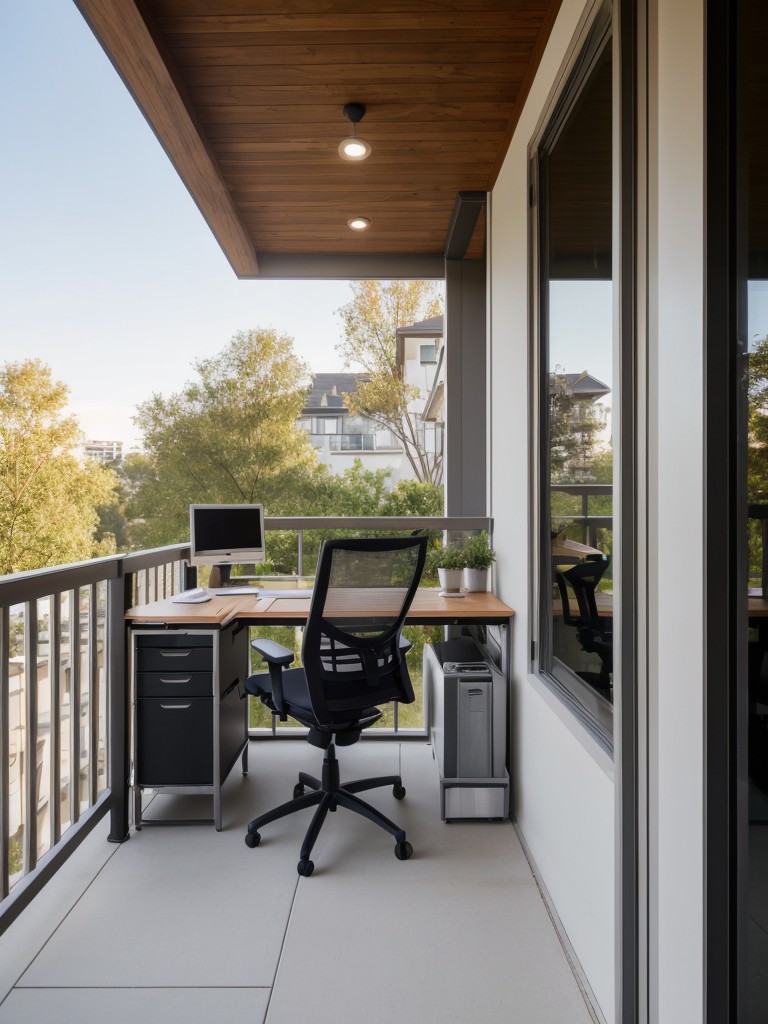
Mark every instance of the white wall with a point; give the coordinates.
(562, 784)
(676, 447)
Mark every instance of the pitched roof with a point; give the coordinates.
(431, 327)
(327, 389)
(584, 384)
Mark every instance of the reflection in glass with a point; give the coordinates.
(86, 621)
(753, 66)
(43, 752)
(65, 712)
(100, 684)
(17, 746)
(577, 364)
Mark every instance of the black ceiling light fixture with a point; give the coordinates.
(353, 147)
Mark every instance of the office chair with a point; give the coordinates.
(594, 631)
(353, 660)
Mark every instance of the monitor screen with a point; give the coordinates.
(226, 534)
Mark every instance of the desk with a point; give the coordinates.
(188, 659)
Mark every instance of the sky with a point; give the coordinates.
(108, 272)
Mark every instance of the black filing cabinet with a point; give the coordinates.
(190, 721)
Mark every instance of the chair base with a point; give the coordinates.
(328, 794)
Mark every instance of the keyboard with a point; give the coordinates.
(293, 594)
(196, 596)
(236, 591)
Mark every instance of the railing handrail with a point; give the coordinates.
(56, 578)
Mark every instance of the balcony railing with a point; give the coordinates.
(65, 695)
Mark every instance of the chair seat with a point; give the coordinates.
(299, 706)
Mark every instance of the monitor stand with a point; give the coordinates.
(219, 576)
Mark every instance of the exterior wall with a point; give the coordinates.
(563, 787)
(562, 783)
(391, 459)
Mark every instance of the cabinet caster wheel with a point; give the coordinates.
(252, 839)
(404, 850)
(298, 790)
(398, 792)
(305, 868)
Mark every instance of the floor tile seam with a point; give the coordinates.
(271, 988)
(64, 917)
(141, 988)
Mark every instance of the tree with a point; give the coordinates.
(230, 435)
(370, 323)
(48, 500)
(574, 423)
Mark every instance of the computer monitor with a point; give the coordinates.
(225, 535)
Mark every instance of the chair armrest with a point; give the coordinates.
(273, 653)
(276, 657)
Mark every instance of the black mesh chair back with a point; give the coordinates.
(595, 631)
(351, 654)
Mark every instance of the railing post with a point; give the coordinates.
(118, 601)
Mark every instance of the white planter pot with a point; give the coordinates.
(475, 580)
(450, 579)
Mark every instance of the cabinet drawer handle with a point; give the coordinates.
(187, 680)
(175, 654)
(175, 707)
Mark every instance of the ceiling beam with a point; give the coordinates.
(466, 210)
(351, 267)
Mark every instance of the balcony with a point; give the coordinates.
(189, 920)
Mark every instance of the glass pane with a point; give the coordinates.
(65, 712)
(100, 682)
(754, 71)
(43, 752)
(84, 718)
(17, 752)
(577, 589)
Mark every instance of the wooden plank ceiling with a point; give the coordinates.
(246, 97)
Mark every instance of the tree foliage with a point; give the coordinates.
(370, 324)
(228, 436)
(48, 500)
(574, 422)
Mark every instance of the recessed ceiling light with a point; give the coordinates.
(359, 223)
(354, 148)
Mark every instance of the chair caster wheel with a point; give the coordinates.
(305, 868)
(404, 850)
(298, 790)
(398, 792)
(252, 839)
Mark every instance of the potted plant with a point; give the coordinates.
(479, 556)
(449, 561)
